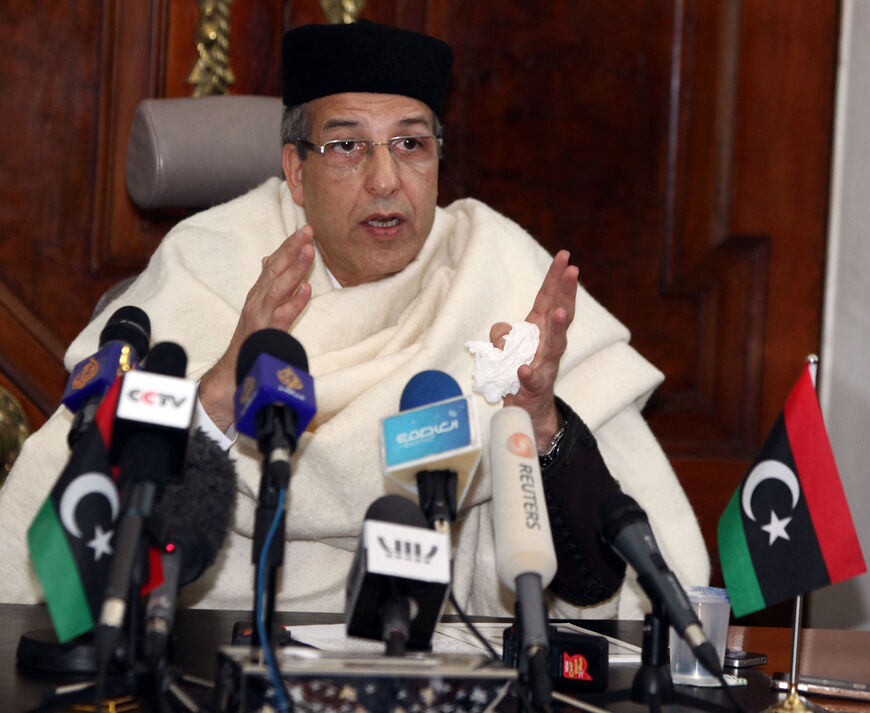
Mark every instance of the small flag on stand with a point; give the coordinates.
(788, 530)
(70, 539)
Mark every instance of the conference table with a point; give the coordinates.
(200, 633)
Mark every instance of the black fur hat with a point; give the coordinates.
(319, 60)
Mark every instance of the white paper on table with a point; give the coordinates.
(449, 637)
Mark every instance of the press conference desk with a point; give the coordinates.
(201, 633)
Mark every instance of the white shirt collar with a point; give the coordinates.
(335, 283)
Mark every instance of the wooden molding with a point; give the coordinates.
(32, 359)
(131, 68)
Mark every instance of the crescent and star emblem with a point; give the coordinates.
(771, 470)
(82, 486)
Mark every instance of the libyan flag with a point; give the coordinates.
(788, 530)
(70, 539)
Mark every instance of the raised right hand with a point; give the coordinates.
(276, 299)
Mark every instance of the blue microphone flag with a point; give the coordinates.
(270, 381)
(426, 431)
(93, 375)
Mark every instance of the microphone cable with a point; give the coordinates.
(495, 658)
(729, 692)
(493, 655)
(285, 702)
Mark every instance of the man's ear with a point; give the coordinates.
(293, 173)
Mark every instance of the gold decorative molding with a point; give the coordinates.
(342, 11)
(212, 73)
(14, 428)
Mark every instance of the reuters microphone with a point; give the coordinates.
(524, 553)
(432, 447)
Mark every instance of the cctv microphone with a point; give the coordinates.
(123, 344)
(624, 525)
(152, 421)
(524, 553)
(153, 417)
(193, 517)
(432, 447)
(399, 578)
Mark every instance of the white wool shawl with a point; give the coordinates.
(364, 343)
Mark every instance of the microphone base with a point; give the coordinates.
(652, 684)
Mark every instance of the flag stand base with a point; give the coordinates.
(795, 703)
(41, 650)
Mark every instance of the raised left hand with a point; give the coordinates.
(553, 312)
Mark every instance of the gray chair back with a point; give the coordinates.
(198, 152)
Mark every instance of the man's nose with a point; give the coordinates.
(382, 172)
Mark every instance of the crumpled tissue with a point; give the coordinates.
(495, 370)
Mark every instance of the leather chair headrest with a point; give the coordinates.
(198, 152)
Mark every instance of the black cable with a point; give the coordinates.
(729, 691)
(520, 690)
(474, 630)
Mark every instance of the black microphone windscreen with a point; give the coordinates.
(196, 511)
(615, 512)
(397, 509)
(167, 358)
(130, 325)
(273, 342)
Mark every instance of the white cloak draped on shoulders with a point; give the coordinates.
(364, 343)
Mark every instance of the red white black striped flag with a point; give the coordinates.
(788, 530)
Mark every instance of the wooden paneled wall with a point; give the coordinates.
(679, 148)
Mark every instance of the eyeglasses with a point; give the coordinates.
(352, 152)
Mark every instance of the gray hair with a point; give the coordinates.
(296, 124)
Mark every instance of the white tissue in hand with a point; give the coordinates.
(495, 370)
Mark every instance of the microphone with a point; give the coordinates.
(152, 420)
(399, 578)
(273, 403)
(624, 525)
(194, 515)
(432, 447)
(524, 553)
(123, 344)
(274, 400)
(153, 417)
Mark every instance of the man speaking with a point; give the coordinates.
(353, 257)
